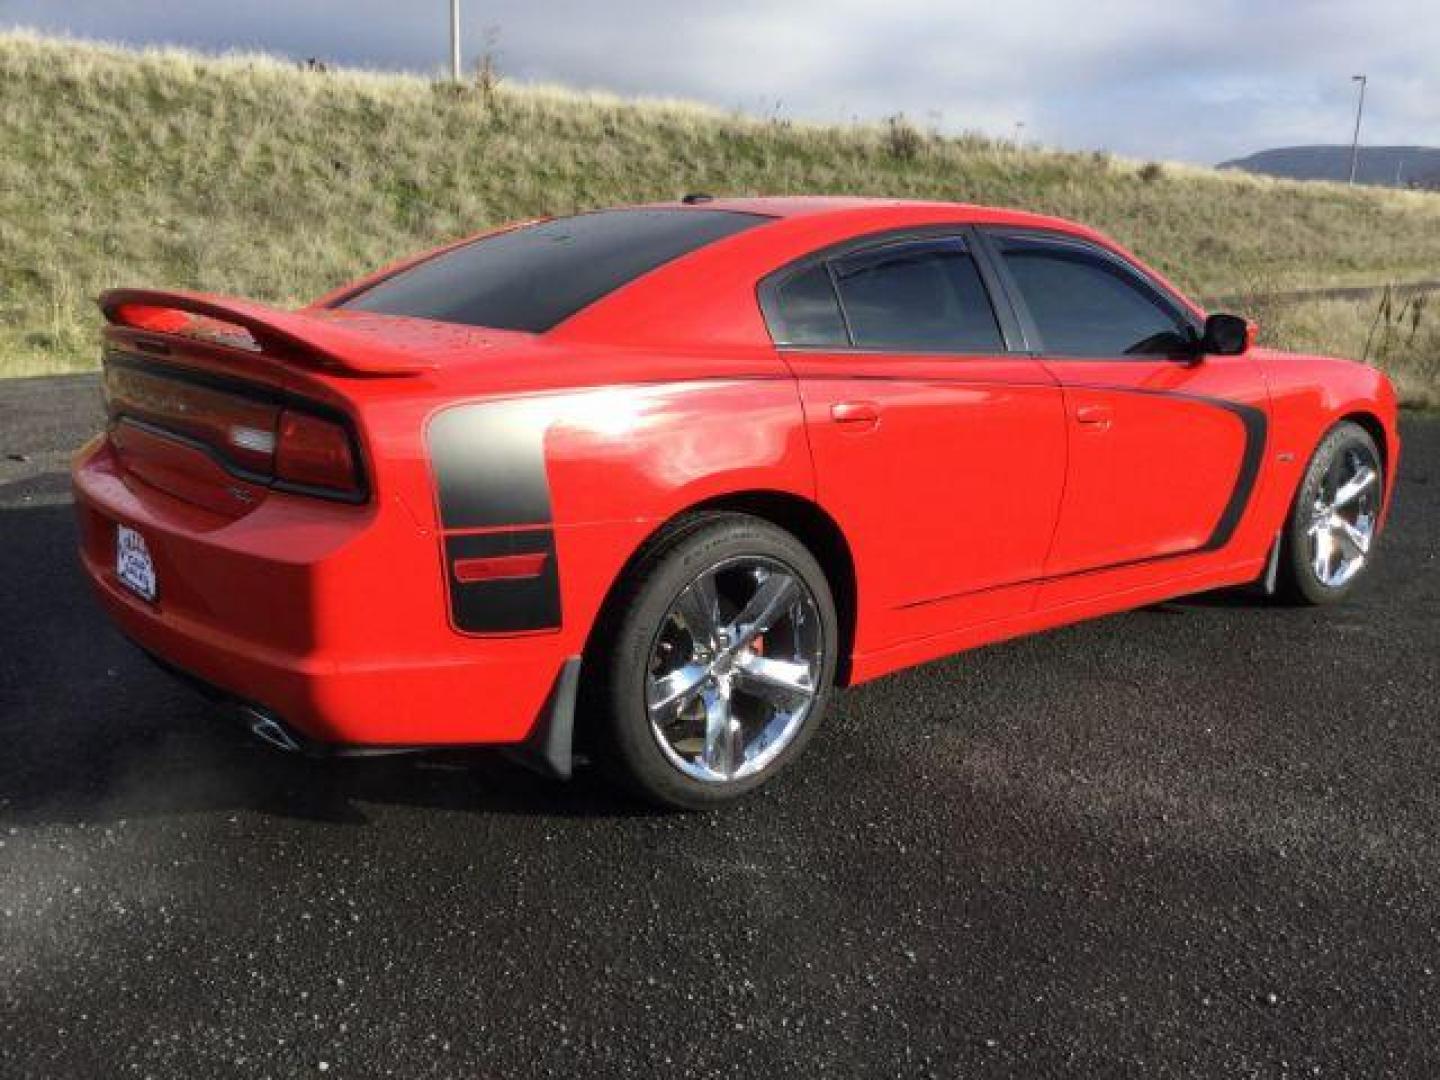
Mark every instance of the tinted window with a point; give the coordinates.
(534, 277)
(1085, 303)
(806, 312)
(921, 295)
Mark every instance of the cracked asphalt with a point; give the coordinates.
(1201, 839)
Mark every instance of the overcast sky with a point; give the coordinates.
(1197, 80)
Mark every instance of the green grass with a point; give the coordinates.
(245, 175)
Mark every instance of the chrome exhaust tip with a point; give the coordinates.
(266, 727)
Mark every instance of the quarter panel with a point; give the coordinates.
(648, 452)
(586, 475)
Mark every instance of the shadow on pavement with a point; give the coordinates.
(94, 732)
(1240, 596)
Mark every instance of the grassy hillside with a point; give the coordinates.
(1402, 336)
(247, 175)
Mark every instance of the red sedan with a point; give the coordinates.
(657, 479)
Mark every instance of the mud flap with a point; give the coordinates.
(549, 748)
(1272, 565)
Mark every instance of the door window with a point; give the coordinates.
(1085, 302)
(917, 296)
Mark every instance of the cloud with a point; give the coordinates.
(1199, 81)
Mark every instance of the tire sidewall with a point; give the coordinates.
(1301, 583)
(658, 581)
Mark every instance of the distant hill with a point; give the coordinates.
(1377, 165)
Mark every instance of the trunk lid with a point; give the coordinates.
(219, 402)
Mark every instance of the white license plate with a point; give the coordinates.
(133, 565)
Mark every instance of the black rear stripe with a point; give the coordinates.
(489, 462)
(509, 605)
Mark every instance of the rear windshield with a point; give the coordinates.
(534, 277)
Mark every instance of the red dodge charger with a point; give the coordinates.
(657, 479)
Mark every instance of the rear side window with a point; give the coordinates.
(1086, 303)
(807, 311)
(920, 295)
(536, 276)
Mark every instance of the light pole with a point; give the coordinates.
(455, 40)
(1359, 112)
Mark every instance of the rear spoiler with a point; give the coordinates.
(242, 324)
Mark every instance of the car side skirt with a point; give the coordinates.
(867, 666)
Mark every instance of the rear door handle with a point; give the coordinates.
(1095, 417)
(860, 414)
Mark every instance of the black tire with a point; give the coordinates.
(620, 736)
(1297, 581)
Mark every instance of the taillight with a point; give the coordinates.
(315, 453)
(242, 429)
(255, 433)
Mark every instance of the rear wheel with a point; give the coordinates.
(717, 664)
(1330, 535)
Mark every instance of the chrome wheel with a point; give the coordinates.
(1343, 516)
(734, 669)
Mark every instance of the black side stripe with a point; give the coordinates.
(1257, 434)
(489, 465)
(1257, 430)
(1257, 427)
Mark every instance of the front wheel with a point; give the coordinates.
(1330, 535)
(718, 664)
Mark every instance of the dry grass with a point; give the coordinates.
(1401, 336)
(243, 174)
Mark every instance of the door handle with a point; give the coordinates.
(860, 414)
(1095, 417)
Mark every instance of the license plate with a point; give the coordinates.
(133, 565)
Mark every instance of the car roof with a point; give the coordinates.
(861, 206)
(708, 297)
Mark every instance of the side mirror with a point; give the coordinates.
(1226, 335)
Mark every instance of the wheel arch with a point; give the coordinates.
(1372, 426)
(797, 515)
(1368, 421)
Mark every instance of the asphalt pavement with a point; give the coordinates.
(1201, 839)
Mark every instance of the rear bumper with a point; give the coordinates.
(331, 618)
